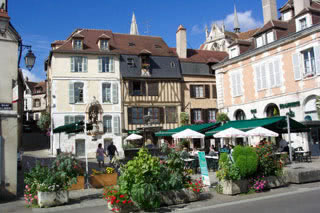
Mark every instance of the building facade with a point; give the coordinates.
(277, 71)
(84, 85)
(11, 105)
(35, 100)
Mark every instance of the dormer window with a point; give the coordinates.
(130, 62)
(233, 52)
(287, 16)
(145, 62)
(77, 44)
(303, 22)
(261, 40)
(104, 45)
(270, 37)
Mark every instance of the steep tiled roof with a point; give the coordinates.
(119, 43)
(241, 42)
(272, 24)
(31, 85)
(202, 56)
(248, 34)
(41, 84)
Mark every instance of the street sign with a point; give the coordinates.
(5, 106)
(204, 168)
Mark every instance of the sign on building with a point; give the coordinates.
(5, 106)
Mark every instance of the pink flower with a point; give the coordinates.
(36, 197)
(27, 186)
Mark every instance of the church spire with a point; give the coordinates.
(134, 26)
(207, 32)
(236, 24)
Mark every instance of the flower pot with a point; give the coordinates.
(79, 185)
(99, 181)
(49, 199)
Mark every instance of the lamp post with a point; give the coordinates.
(29, 58)
(289, 114)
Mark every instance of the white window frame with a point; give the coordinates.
(104, 44)
(107, 66)
(270, 37)
(110, 92)
(111, 125)
(270, 72)
(308, 19)
(130, 62)
(81, 64)
(234, 52)
(199, 91)
(236, 83)
(311, 62)
(77, 44)
(74, 86)
(287, 15)
(197, 114)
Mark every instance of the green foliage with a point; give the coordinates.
(145, 176)
(228, 171)
(223, 158)
(184, 143)
(245, 159)
(44, 121)
(222, 117)
(267, 164)
(184, 118)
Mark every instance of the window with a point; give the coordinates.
(272, 110)
(153, 89)
(107, 124)
(78, 92)
(73, 119)
(106, 93)
(240, 115)
(154, 113)
(172, 64)
(36, 103)
(268, 75)
(77, 44)
(137, 115)
(236, 84)
(287, 16)
(233, 52)
(303, 23)
(106, 64)
(212, 115)
(308, 62)
(198, 91)
(171, 114)
(196, 115)
(104, 45)
(78, 64)
(80, 147)
(270, 37)
(38, 89)
(130, 62)
(137, 88)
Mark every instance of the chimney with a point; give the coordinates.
(270, 10)
(181, 37)
(299, 5)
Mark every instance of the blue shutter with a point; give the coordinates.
(115, 93)
(111, 61)
(116, 125)
(72, 63)
(317, 59)
(71, 93)
(85, 64)
(100, 64)
(296, 66)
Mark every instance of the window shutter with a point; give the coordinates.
(161, 111)
(263, 76)
(272, 75)
(100, 64)
(153, 89)
(115, 93)
(143, 87)
(317, 58)
(214, 91)
(207, 91)
(258, 78)
(296, 66)
(192, 116)
(234, 86)
(239, 87)
(129, 115)
(66, 120)
(277, 72)
(85, 64)
(116, 125)
(192, 93)
(130, 88)
(71, 93)
(104, 124)
(111, 64)
(72, 64)
(204, 115)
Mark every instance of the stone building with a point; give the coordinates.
(35, 100)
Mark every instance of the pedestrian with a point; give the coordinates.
(100, 155)
(112, 149)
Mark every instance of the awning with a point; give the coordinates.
(276, 124)
(202, 128)
(71, 128)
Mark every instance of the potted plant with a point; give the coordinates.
(103, 178)
(117, 202)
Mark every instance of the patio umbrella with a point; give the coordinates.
(188, 133)
(231, 133)
(262, 132)
(133, 137)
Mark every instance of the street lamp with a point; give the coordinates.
(29, 59)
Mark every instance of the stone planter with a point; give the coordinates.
(99, 181)
(230, 187)
(175, 197)
(275, 182)
(79, 185)
(123, 208)
(49, 199)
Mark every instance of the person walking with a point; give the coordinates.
(112, 149)
(100, 155)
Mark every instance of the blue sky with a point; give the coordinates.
(40, 22)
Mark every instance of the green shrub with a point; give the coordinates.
(245, 158)
(228, 171)
(267, 164)
(223, 158)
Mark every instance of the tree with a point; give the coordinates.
(44, 121)
(184, 118)
(222, 117)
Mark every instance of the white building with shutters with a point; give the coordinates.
(82, 69)
(278, 71)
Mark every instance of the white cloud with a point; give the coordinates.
(196, 29)
(246, 21)
(31, 76)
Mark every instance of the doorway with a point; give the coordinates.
(80, 148)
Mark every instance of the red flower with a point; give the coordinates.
(198, 190)
(129, 201)
(121, 196)
(124, 202)
(112, 202)
(194, 189)
(117, 201)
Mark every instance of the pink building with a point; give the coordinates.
(277, 69)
